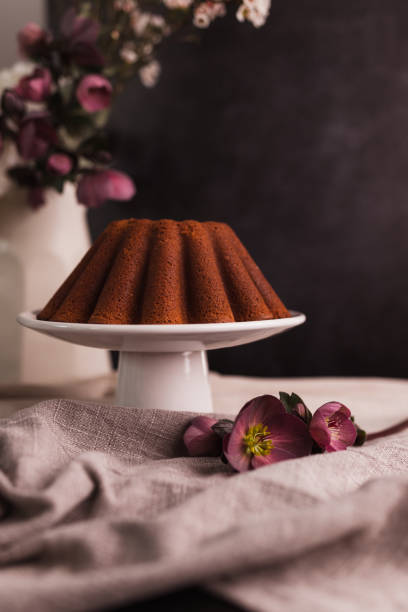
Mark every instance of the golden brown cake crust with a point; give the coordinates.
(156, 272)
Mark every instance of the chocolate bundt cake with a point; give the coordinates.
(156, 272)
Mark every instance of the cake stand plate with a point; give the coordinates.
(163, 366)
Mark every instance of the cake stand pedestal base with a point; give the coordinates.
(163, 366)
(171, 381)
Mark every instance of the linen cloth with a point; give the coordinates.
(99, 507)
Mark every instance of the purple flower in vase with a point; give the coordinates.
(36, 87)
(35, 136)
(80, 36)
(59, 164)
(32, 39)
(264, 433)
(12, 105)
(332, 428)
(201, 440)
(96, 187)
(94, 93)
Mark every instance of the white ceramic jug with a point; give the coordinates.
(38, 249)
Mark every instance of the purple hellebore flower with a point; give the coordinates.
(77, 28)
(332, 428)
(32, 39)
(35, 87)
(80, 36)
(35, 136)
(264, 433)
(94, 92)
(59, 163)
(201, 440)
(96, 187)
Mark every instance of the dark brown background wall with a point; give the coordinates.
(297, 135)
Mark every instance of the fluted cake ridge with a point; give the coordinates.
(156, 272)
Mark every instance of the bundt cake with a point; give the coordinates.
(155, 272)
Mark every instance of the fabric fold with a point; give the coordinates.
(101, 506)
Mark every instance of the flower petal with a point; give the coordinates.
(235, 453)
(290, 437)
(201, 440)
(35, 136)
(96, 187)
(94, 92)
(31, 39)
(331, 408)
(276, 455)
(259, 409)
(59, 163)
(331, 427)
(36, 86)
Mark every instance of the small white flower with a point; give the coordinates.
(157, 21)
(255, 11)
(218, 10)
(128, 53)
(206, 12)
(150, 73)
(147, 49)
(9, 77)
(178, 4)
(124, 5)
(201, 18)
(141, 21)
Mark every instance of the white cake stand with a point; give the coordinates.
(163, 366)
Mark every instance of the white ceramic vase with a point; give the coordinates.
(38, 249)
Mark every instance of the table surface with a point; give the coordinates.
(375, 402)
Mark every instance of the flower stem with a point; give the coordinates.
(389, 431)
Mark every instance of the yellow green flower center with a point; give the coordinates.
(257, 441)
(333, 424)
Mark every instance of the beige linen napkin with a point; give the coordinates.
(99, 507)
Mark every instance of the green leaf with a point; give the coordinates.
(56, 182)
(361, 436)
(223, 427)
(294, 405)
